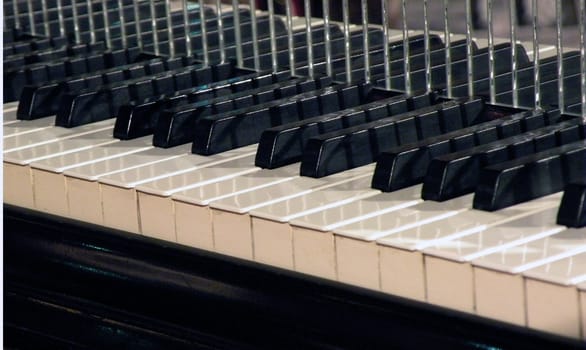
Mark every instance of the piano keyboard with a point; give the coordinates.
(433, 168)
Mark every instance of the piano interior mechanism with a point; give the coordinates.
(294, 174)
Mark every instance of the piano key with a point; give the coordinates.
(572, 211)
(19, 128)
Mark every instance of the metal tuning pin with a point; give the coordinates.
(91, 23)
(170, 37)
(290, 43)
(31, 17)
(448, 47)
(491, 66)
(154, 28)
(106, 23)
(428, 82)
(45, 18)
(137, 24)
(365, 40)
(406, 49)
(386, 55)
(75, 21)
(237, 33)
(123, 37)
(274, 61)
(307, 4)
(187, 28)
(560, 54)
(347, 44)
(221, 39)
(327, 35)
(204, 32)
(514, 52)
(60, 18)
(536, 74)
(583, 58)
(254, 35)
(469, 49)
(16, 12)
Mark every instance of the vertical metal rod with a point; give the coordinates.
(170, 36)
(154, 28)
(328, 37)
(491, 66)
(560, 54)
(46, 28)
(31, 17)
(514, 52)
(204, 33)
(106, 24)
(307, 4)
(254, 35)
(122, 23)
(221, 38)
(17, 24)
(366, 46)
(290, 43)
(386, 56)
(237, 33)
(61, 18)
(75, 21)
(273, 33)
(536, 73)
(347, 45)
(470, 58)
(406, 49)
(427, 46)
(448, 44)
(91, 23)
(187, 27)
(583, 57)
(137, 24)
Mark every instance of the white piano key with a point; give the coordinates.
(9, 113)
(582, 292)
(49, 135)
(27, 126)
(569, 271)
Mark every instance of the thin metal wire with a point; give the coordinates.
(491, 64)
(308, 38)
(273, 33)
(290, 43)
(514, 51)
(75, 21)
(106, 23)
(448, 44)
(187, 27)
(170, 36)
(583, 58)
(154, 28)
(406, 49)
(328, 37)
(91, 23)
(204, 33)
(386, 56)
(45, 17)
(221, 38)
(31, 17)
(122, 23)
(137, 24)
(255, 50)
(347, 44)
(365, 38)
(60, 18)
(469, 57)
(237, 33)
(536, 73)
(560, 54)
(427, 47)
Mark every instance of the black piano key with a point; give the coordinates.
(407, 165)
(456, 174)
(284, 144)
(337, 151)
(530, 177)
(239, 128)
(572, 210)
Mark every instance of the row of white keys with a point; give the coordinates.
(20, 127)
(9, 113)
(224, 223)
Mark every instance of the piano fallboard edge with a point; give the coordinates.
(69, 284)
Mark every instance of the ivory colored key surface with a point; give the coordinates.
(84, 190)
(9, 113)
(27, 126)
(118, 189)
(454, 289)
(582, 301)
(553, 299)
(54, 134)
(230, 230)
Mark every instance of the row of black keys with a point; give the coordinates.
(410, 131)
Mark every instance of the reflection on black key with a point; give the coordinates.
(530, 177)
(456, 174)
(572, 211)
